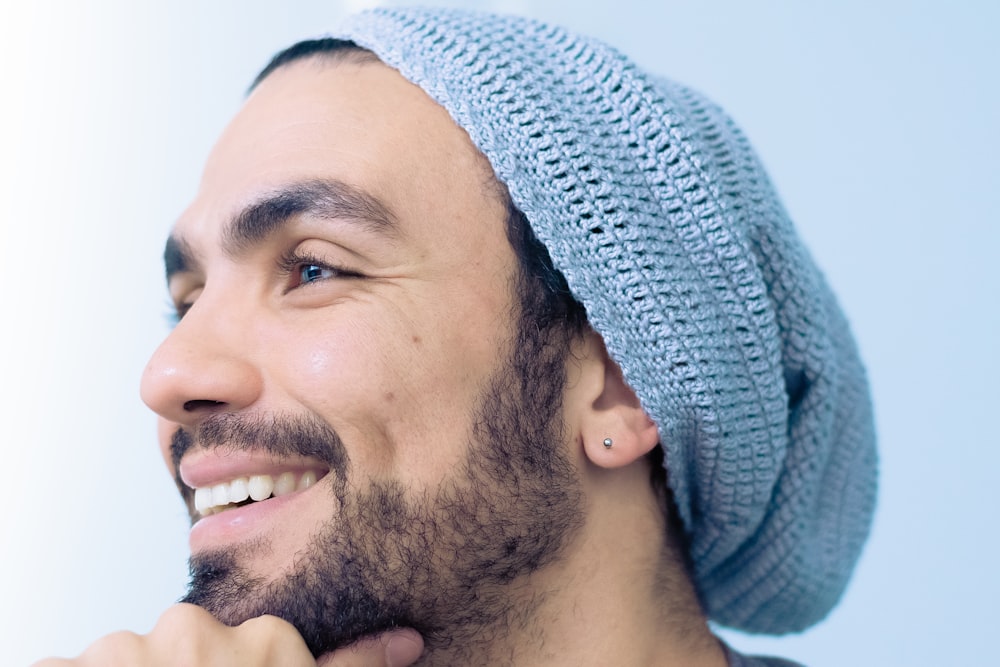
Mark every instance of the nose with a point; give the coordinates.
(205, 365)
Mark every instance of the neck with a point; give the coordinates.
(617, 597)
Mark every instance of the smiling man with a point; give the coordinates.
(352, 338)
(488, 335)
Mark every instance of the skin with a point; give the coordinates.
(393, 336)
(188, 635)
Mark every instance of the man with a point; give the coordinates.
(493, 349)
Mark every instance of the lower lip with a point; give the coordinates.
(242, 523)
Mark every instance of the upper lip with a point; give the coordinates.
(207, 468)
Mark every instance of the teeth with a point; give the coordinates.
(220, 494)
(238, 490)
(261, 487)
(218, 497)
(202, 499)
(284, 484)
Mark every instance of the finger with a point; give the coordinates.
(117, 649)
(403, 648)
(397, 648)
(185, 632)
(272, 640)
(188, 635)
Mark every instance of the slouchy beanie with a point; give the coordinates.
(658, 213)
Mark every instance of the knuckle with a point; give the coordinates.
(268, 624)
(274, 636)
(183, 613)
(183, 631)
(116, 648)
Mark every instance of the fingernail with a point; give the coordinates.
(403, 649)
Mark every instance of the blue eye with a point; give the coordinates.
(301, 269)
(311, 272)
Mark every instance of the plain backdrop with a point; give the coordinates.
(877, 121)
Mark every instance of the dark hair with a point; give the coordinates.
(554, 303)
(327, 47)
(539, 274)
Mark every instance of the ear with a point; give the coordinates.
(616, 431)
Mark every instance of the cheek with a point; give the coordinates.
(341, 375)
(320, 363)
(393, 394)
(395, 363)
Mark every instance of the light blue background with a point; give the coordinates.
(877, 121)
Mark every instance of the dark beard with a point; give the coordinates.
(443, 564)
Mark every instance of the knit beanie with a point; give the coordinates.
(659, 215)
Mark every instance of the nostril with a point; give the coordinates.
(200, 404)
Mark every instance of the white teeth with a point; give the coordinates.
(284, 484)
(261, 486)
(238, 490)
(218, 497)
(202, 499)
(220, 494)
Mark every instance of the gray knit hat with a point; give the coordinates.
(657, 211)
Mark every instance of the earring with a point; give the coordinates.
(608, 442)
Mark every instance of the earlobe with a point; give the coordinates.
(630, 441)
(616, 431)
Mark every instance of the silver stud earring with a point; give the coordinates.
(608, 442)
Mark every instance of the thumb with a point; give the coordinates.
(396, 648)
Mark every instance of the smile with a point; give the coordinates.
(242, 491)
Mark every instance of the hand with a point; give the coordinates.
(398, 648)
(188, 635)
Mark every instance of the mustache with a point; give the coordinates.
(280, 436)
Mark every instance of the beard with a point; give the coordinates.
(442, 563)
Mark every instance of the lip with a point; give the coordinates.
(256, 519)
(209, 468)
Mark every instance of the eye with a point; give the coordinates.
(179, 307)
(176, 313)
(304, 269)
(312, 272)
(181, 310)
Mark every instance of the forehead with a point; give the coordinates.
(361, 124)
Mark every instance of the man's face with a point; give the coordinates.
(346, 287)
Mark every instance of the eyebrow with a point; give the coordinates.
(321, 198)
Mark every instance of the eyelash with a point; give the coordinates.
(292, 262)
(288, 264)
(176, 312)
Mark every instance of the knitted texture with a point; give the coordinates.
(658, 213)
